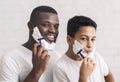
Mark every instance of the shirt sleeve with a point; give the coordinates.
(59, 75)
(8, 70)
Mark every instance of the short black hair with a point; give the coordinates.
(35, 13)
(78, 21)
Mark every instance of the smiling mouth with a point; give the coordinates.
(51, 38)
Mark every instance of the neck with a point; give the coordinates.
(73, 56)
(29, 44)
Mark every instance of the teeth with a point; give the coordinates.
(51, 37)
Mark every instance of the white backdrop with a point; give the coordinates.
(14, 15)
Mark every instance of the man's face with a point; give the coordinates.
(48, 24)
(86, 36)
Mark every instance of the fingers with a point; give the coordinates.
(89, 62)
(40, 52)
(40, 58)
(44, 54)
(94, 65)
(87, 67)
(85, 60)
(35, 48)
(47, 57)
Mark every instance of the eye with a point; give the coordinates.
(84, 39)
(56, 26)
(45, 25)
(93, 40)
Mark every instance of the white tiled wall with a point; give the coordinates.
(14, 15)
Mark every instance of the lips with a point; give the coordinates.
(50, 37)
(88, 51)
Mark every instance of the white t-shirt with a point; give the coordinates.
(17, 64)
(67, 70)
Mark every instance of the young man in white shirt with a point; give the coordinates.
(81, 63)
(32, 62)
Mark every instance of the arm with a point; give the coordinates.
(40, 61)
(109, 77)
(86, 69)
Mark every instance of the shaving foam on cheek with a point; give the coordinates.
(93, 52)
(39, 38)
(47, 45)
(91, 55)
(78, 49)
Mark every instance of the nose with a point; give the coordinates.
(52, 29)
(89, 44)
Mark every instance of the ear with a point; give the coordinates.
(70, 40)
(31, 25)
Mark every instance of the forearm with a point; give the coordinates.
(33, 77)
(109, 78)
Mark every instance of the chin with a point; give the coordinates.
(51, 41)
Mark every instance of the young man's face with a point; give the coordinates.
(48, 24)
(86, 36)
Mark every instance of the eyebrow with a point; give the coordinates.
(87, 36)
(49, 22)
(45, 22)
